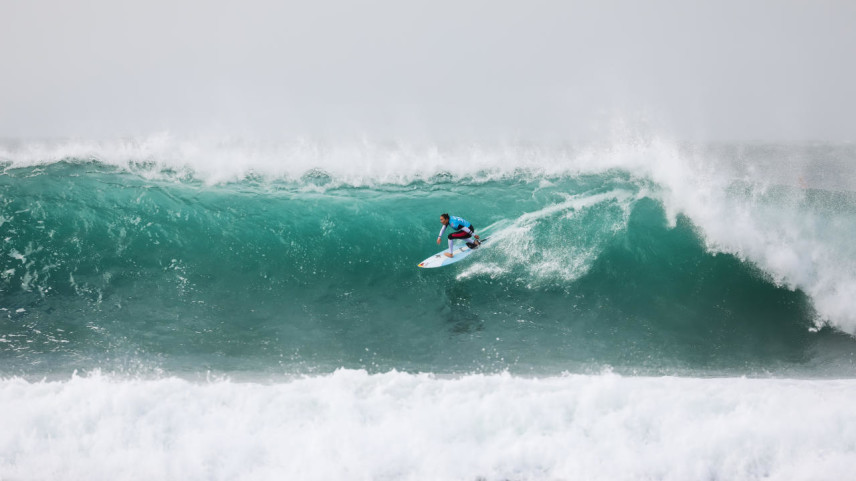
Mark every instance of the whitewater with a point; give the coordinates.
(222, 308)
(352, 425)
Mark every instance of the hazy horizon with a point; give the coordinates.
(713, 71)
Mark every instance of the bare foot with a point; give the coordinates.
(448, 254)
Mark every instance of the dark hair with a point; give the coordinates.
(445, 216)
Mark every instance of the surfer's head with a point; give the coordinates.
(444, 219)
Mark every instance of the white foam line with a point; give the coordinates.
(579, 201)
(513, 239)
(219, 160)
(352, 425)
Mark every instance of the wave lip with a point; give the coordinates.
(350, 424)
(223, 160)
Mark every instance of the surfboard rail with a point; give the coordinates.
(460, 253)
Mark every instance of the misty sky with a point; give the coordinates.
(710, 70)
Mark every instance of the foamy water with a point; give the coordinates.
(352, 425)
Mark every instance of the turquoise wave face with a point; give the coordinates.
(102, 268)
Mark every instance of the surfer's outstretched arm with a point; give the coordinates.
(440, 235)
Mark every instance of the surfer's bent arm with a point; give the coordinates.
(440, 235)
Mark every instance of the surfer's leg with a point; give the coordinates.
(455, 235)
(468, 236)
(463, 235)
(451, 238)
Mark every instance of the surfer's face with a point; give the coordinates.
(444, 220)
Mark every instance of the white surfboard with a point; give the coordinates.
(461, 253)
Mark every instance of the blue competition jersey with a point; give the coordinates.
(456, 222)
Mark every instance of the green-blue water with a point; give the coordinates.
(105, 268)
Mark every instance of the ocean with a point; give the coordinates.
(235, 309)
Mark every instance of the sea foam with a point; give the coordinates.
(353, 425)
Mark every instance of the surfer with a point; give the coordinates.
(463, 230)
